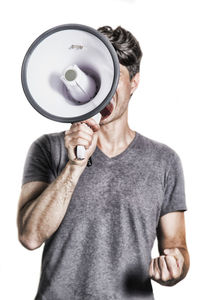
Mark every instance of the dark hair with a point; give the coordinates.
(127, 47)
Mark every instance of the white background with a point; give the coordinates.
(165, 108)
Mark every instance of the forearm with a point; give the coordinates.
(41, 218)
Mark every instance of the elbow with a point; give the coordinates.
(29, 243)
(28, 238)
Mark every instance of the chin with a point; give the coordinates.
(108, 120)
(104, 122)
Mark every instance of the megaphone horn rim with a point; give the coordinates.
(38, 40)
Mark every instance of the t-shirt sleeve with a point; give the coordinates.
(174, 189)
(38, 163)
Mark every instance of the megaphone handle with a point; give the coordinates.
(80, 150)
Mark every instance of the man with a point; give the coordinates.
(99, 222)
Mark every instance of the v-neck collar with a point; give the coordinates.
(120, 155)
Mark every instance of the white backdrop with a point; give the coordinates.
(165, 108)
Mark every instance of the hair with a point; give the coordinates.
(126, 46)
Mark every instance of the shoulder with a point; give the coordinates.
(50, 144)
(158, 151)
(47, 140)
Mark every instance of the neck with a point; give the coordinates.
(115, 136)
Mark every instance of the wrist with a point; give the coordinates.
(71, 172)
(77, 166)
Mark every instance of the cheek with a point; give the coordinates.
(124, 89)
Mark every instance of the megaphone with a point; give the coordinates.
(70, 73)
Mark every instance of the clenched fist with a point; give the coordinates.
(167, 269)
(84, 135)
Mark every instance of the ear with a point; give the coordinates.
(134, 82)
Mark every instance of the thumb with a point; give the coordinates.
(169, 251)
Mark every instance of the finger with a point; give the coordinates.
(93, 124)
(151, 270)
(73, 125)
(179, 258)
(172, 266)
(72, 142)
(82, 127)
(177, 254)
(72, 153)
(80, 134)
(95, 138)
(165, 274)
(173, 251)
(80, 142)
(67, 140)
(156, 269)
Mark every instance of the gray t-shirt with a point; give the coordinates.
(102, 248)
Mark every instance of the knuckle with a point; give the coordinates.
(78, 127)
(157, 276)
(176, 250)
(84, 126)
(176, 274)
(73, 126)
(165, 277)
(82, 131)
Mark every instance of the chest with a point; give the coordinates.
(136, 187)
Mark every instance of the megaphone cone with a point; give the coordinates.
(70, 73)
